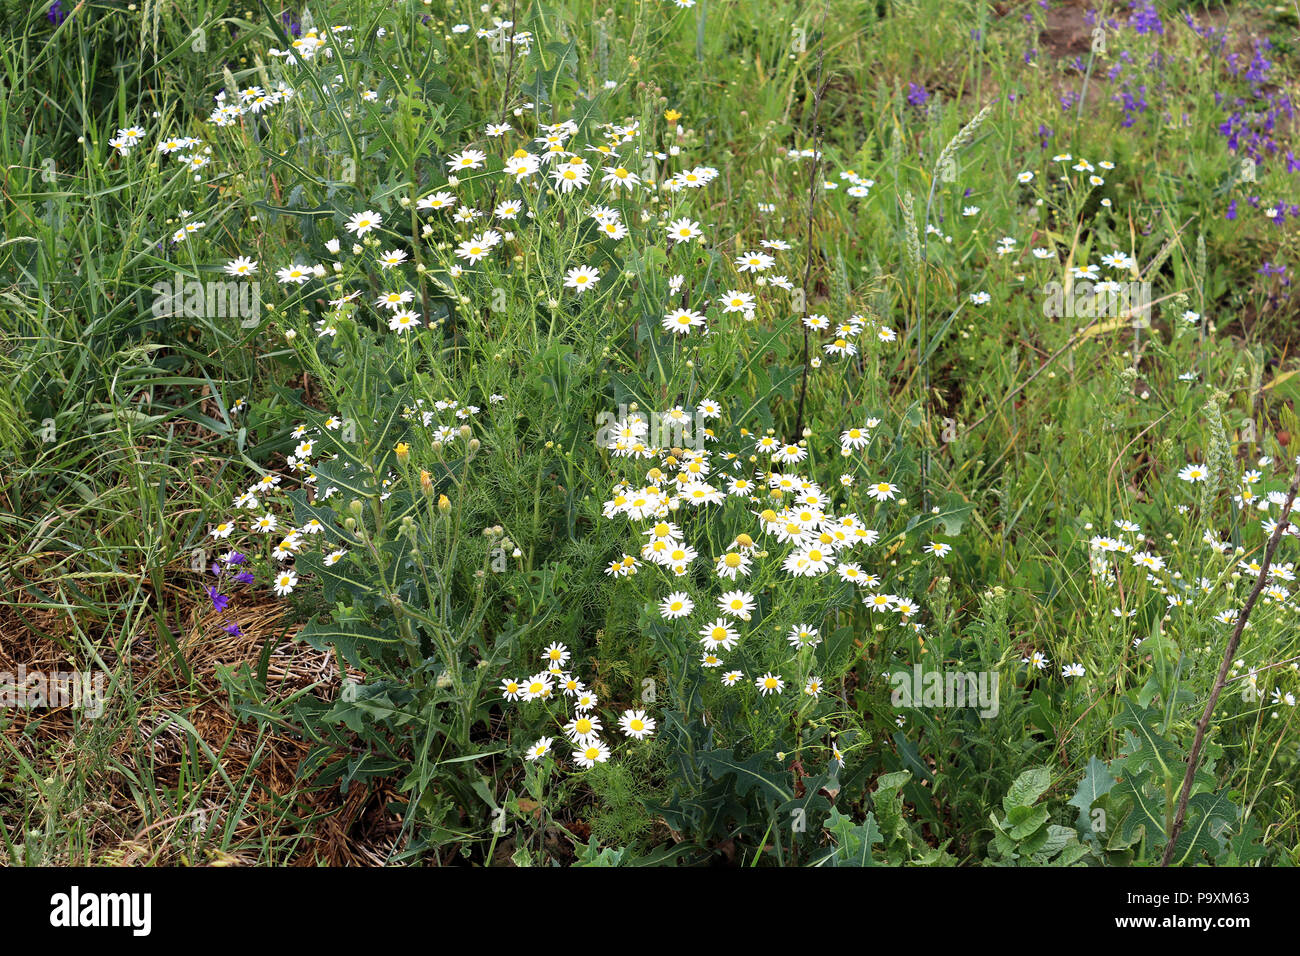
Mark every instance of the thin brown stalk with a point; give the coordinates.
(812, 198)
(1229, 653)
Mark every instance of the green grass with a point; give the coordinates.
(358, 718)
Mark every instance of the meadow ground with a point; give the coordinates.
(714, 431)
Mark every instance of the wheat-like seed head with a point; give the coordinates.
(964, 136)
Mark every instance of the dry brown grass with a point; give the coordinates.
(303, 824)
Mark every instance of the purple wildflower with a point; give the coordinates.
(219, 600)
(1144, 17)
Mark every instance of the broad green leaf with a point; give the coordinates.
(1027, 788)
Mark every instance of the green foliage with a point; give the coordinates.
(456, 506)
(1025, 835)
